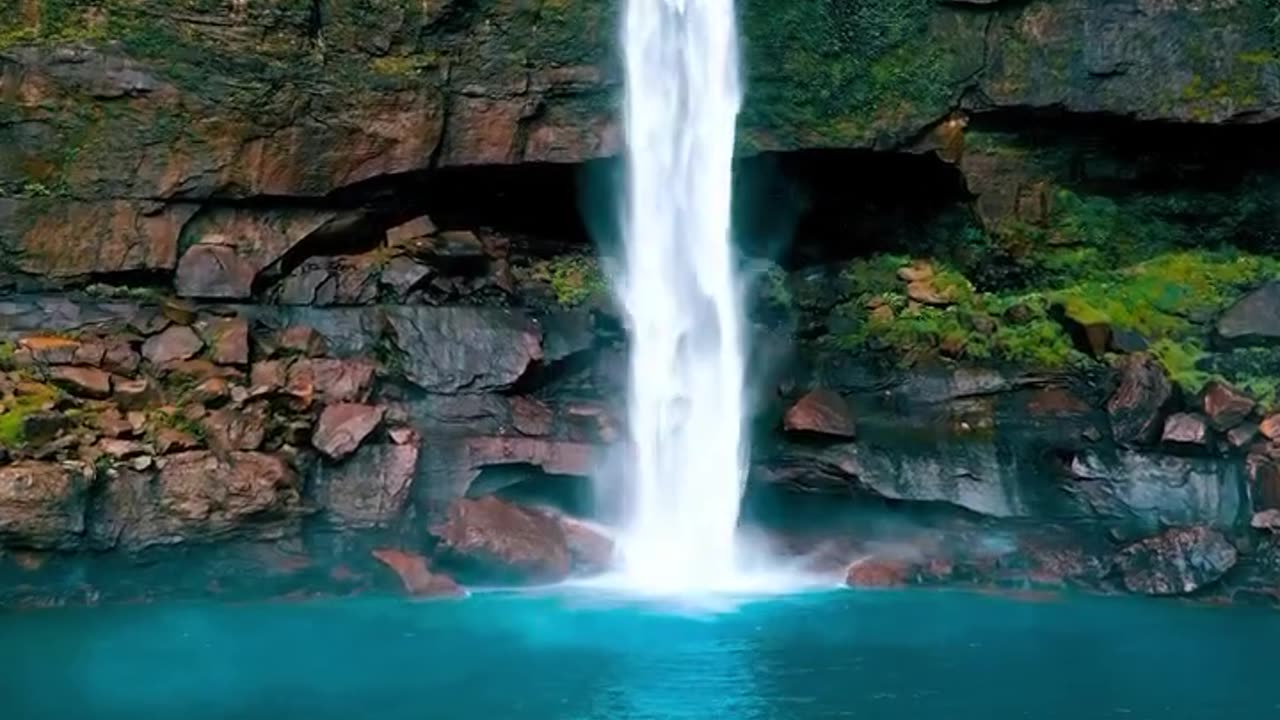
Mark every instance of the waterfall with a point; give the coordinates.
(681, 294)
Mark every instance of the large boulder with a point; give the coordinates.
(1143, 491)
(1138, 406)
(370, 488)
(503, 541)
(462, 349)
(42, 505)
(200, 496)
(1254, 319)
(1177, 562)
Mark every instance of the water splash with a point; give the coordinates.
(681, 295)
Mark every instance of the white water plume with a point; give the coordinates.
(681, 293)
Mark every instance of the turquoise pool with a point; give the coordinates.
(500, 656)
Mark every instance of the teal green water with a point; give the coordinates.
(876, 655)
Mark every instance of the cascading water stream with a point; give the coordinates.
(681, 294)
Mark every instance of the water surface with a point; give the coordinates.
(909, 655)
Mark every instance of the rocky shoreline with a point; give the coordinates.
(304, 297)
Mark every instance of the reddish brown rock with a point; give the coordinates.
(42, 505)
(1224, 405)
(1186, 429)
(178, 342)
(214, 270)
(111, 423)
(416, 575)
(211, 391)
(1264, 480)
(230, 429)
(877, 573)
(121, 449)
(302, 340)
(820, 411)
(1177, 562)
(1270, 427)
(370, 488)
(332, 380)
(120, 357)
(228, 340)
(268, 376)
(555, 457)
(1138, 406)
(590, 422)
(343, 426)
(200, 496)
(172, 440)
(91, 352)
(531, 416)
(505, 542)
(83, 381)
(50, 349)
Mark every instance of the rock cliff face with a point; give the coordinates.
(301, 295)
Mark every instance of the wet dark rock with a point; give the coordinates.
(1138, 406)
(43, 426)
(1141, 491)
(1242, 435)
(1264, 480)
(214, 270)
(1090, 335)
(463, 350)
(1177, 562)
(822, 412)
(1224, 405)
(1254, 319)
(504, 541)
(371, 487)
(1128, 341)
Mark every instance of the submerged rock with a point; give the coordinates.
(1177, 562)
(416, 575)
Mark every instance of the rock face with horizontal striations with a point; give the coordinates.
(1177, 562)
